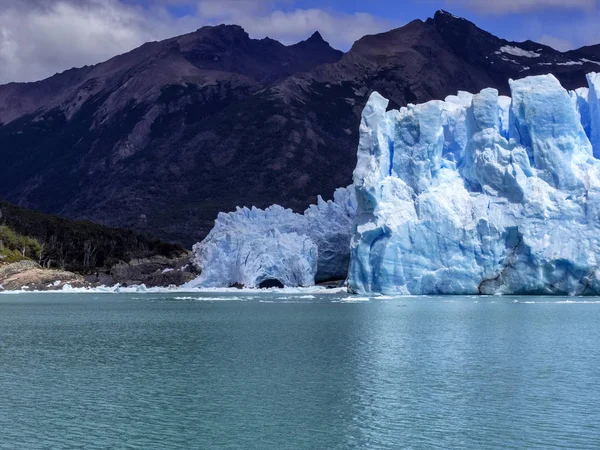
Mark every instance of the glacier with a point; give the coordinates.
(251, 246)
(480, 194)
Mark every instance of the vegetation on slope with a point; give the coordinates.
(74, 245)
(15, 247)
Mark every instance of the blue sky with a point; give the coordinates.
(41, 37)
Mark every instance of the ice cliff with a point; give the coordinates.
(480, 193)
(251, 246)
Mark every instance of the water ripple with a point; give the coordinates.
(293, 372)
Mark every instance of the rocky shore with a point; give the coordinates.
(30, 275)
(155, 271)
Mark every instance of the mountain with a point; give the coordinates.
(97, 142)
(209, 56)
(166, 136)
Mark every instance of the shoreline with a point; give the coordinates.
(142, 289)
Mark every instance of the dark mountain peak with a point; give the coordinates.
(228, 34)
(393, 41)
(316, 37)
(316, 41)
(465, 38)
(441, 14)
(269, 40)
(449, 24)
(318, 49)
(233, 30)
(473, 43)
(442, 19)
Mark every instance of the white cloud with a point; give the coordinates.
(340, 30)
(578, 33)
(220, 9)
(279, 20)
(517, 6)
(556, 43)
(38, 41)
(41, 37)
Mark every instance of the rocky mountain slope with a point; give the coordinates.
(164, 137)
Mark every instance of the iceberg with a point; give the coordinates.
(254, 248)
(480, 194)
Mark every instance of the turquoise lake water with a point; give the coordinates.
(280, 371)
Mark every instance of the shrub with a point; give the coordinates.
(15, 247)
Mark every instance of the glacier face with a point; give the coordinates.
(250, 246)
(480, 194)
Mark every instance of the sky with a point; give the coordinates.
(39, 38)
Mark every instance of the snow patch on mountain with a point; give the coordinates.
(589, 61)
(517, 51)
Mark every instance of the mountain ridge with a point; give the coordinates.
(202, 50)
(168, 137)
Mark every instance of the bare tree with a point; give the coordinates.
(90, 253)
(62, 256)
(41, 257)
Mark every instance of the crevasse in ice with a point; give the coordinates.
(480, 193)
(250, 246)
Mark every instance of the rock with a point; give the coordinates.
(154, 271)
(30, 275)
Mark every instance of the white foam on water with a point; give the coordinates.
(353, 299)
(579, 302)
(210, 299)
(139, 289)
(558, 302)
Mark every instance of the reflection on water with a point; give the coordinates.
(303, 371)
